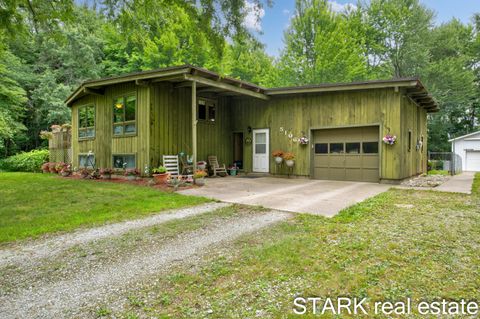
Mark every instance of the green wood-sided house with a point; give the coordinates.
(137, 118)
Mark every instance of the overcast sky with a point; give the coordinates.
(275, 20)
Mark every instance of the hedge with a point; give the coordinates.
(25, 162)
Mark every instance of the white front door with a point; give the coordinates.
(260, 150)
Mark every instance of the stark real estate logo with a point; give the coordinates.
(357, 306)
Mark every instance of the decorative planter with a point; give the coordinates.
(278, 160)
(202, 165)
(233, 172)
(290, 163)
(160, 178)
(200, 181)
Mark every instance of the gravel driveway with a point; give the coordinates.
(63, 285)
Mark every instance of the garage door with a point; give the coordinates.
(473, 161)
(347, 154)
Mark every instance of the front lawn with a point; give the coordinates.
(34, 204)
(399, 244)
(438, 172)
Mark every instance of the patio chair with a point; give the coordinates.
(186, 167)
(215, 167)
(171, 164)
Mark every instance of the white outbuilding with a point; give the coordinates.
(467, 147)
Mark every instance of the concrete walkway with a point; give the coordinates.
(325, 198)
(461, 183)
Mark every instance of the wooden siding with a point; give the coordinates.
(302, 113)
(171, 130)
(414, 120)
(104, 145)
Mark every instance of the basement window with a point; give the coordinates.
(86, 121)
(86, 161)
(124, 161)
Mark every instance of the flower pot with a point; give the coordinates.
(202, 166)
(290, 163)
(160, 178)
(233, 172)
(278, 160)
(200, 181)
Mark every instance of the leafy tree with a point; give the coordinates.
(321, 46)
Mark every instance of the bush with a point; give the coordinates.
(25, 162)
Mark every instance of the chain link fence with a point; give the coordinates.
(445, 161)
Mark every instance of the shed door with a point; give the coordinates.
(347, 154)
(260, 150)
(473, 161)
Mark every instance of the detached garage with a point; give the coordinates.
(467, 149)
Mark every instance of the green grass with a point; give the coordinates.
(35, 204)
(399, 244)
(476, 185)
(438, 172)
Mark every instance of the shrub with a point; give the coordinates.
(159, 170)
(25, 162)
(106, 171)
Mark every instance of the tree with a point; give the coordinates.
(322, 46)
(397, 31)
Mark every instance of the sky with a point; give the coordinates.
(274, 20)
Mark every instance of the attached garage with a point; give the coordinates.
(347, 154)
(472, 162)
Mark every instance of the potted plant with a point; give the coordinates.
(66, 171)
(176, 182)
(289, 158)
(46, 167)
(199, 177)
(202, 165)
(106, 173)
(131, 174)
(160, 175)
(233, 170)
(278, 155)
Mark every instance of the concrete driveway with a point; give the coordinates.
(295, 195)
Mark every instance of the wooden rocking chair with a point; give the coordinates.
(171, 164)
(215, 167)
(186, 168)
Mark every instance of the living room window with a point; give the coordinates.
(206, 110)
(86, 121)
(124, 115)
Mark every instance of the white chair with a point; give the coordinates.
(170, 162)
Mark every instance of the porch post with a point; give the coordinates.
(194, 125)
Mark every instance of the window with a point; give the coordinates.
(124, 114)
(409, 141)
(336, 148)
(352, 148)
(124, 161)
(206, 110)
(321, 148)
(370, 147)
(86, 161)
(86, 121)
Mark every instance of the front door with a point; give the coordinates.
(260, 150)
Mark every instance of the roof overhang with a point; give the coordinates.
(180, 76)
(413, 88)
(466, 136)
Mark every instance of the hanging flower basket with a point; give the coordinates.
(390, 139)
(303, 140)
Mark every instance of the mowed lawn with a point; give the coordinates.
(34, 204)
(400, 244)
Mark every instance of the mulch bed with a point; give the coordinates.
(138, 182)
